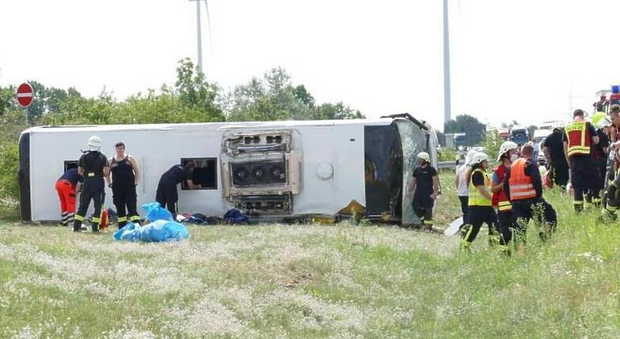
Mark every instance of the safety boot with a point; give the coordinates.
(607, 216)
(465, 246)
(578, 205)
(493, 238)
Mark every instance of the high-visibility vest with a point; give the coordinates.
(578, 138)
(500, 200)
(521, 186)
(475, 197)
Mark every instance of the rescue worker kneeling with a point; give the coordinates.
(523, 186)
(480, 203)
(94, 167)
(507, 155)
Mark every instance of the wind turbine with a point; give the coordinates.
(447, 103)
(199, 30)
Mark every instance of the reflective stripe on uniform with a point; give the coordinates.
(122, 219)
(505, 206)
(521, 186)
(577, 145)
(79, 217)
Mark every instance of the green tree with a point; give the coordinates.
(196, 93)
(336, 111)
(469, 125)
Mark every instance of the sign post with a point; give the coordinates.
(25, 96)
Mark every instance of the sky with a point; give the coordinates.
(528, 60)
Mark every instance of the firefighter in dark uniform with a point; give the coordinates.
(523, 186)
(167, 195)
(68, 186)
(125, 177)
(556, 159)
(579, 138)
(94, 167)
(424, 186)
(507, 154)
(480, 203)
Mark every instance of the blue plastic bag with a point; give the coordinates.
(157, 231)
(155, 212)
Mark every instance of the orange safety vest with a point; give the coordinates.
(578, 137)
(521, 186)
(500, 200)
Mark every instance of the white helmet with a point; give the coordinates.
(469, 157)
(94, 143)
(424, 156)
(505, 147)
(479, 158)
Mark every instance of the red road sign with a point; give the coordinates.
(25, 94)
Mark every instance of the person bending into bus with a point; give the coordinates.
(167, 195)
(125, 177)
(93, 166)
(68, 186)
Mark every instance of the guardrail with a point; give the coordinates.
(446, 165)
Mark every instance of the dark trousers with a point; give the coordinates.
(559, 172)
(424, 210)
(464, 208)
(538, 209)
(477, 216)
(584, 178)
(96, 195)
(125, 200)
(167, 196)
(506, 226)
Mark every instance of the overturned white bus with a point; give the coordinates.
(281, 170)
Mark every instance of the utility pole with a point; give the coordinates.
(199, 34)
(447, 105)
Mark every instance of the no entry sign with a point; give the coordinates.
(25, 94)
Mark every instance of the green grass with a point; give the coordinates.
(342, 281)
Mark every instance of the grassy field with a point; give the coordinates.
(342, 281)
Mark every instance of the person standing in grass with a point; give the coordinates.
(94, 167)
(425, 187)
(507, 154)
(125, 177)
(461, 182)
(523, 186)
(480, 203)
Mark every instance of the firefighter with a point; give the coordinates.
(125, 177)
(553, 149)
(480, 203)
(167, 195)
(68, 186)
(523, 187)
(579, 138)
(93, 166)
(425, 187)
(601, 151)
(613, 193)
(508, 152)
